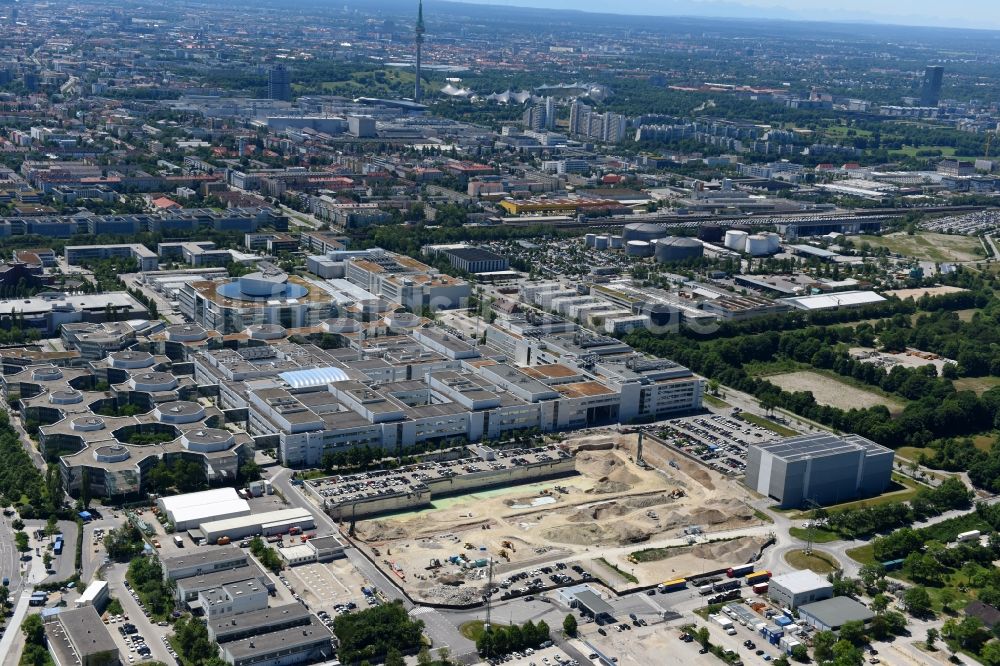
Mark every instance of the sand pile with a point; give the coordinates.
(592, 534)
(379, 530)
(736, 550)
(600, 511)
(647, 501)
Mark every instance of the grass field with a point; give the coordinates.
(714, 401)
(977, 384)
(776, 428)
(912, 453)
(832, 391)
(474, 629)
(819, 535)
(862, 554)
(911, 151)
(928, 246)
(816, 561)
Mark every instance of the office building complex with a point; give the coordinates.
(819, 469)
(80, 637)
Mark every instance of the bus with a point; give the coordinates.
(758, 577)
(672, 585)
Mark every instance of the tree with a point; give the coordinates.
(702, 636)
(823, 643)
(879, 603)
(33, 629)
(394, 658)
(21, 540)
(853, 632)
(424, 657)
(990, 654)
(569, 625)
(917, 601)
(932, 635)
(800, 653)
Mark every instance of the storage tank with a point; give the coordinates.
(638, 248)
(616, 242)
(588, 240)
(601, 242)
(677, 248)
(756, 245)
(643, 231)
(736, 240)
(710, 233)
(773, 242)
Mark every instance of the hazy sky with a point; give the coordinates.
(957, 13)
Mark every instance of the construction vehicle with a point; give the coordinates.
(469, 546)
(506, 543)
(504, 554)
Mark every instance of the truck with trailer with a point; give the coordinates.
(971, 535)
(740, 571)
(760, 588)
(761, 576)
(672, 585)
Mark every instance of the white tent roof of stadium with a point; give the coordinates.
(313, 377)
(205, 505)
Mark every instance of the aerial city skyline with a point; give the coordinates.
(391, 332)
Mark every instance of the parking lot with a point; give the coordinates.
(550, 656)
(718, 441)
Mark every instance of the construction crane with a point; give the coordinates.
(989, 142)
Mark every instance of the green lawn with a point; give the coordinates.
(762, 517)
(904, 491)
(776, 428)
(911, 151)
(913, 453)
(474, 629)
(816, 561)
(718, 403)
(928, 246)
(863, 554)
(819, 534)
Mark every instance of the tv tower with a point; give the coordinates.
(419, 38)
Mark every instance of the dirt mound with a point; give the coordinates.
(605, 466)
(625, 533)
(608, 488)
(601, 511)
(735, 550)
(379, 530)
(647, 501)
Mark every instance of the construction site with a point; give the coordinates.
(595, 517)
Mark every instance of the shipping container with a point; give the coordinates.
(892, 565)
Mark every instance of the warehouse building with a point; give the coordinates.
(254, 623)
(265, 524)
(202, 562)
(475, 260)
(189, 588)
(79, 637)
(797, 588)
(831, 614)
(191, 509)
(819, 468)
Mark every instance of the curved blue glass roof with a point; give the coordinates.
(313, 377)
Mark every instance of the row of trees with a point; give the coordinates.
(501, 640)
(266, 555)
(928, 502)
(145, 575)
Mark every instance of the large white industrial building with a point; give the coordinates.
(192, 509)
